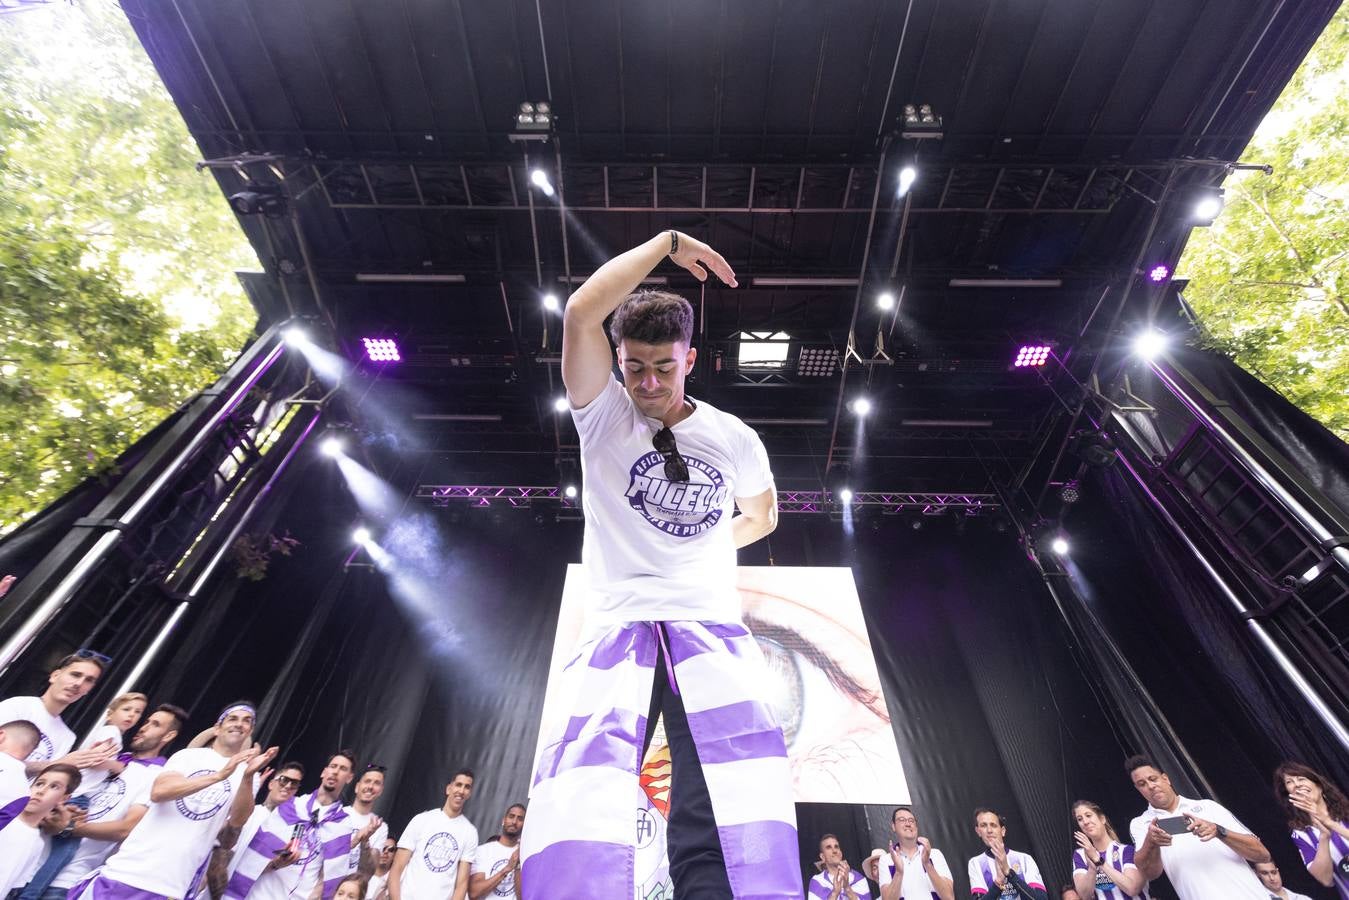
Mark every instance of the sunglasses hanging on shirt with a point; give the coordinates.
(676, 469)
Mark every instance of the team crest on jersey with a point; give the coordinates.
(106, 799)
(680, 509)
(441, 852)
(44, 750)
(507, 886)
(206, 802)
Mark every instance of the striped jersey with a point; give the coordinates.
(1119, 857)
(983, 872)
(1308, 841)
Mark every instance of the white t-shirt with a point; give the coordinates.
(14, 788)
(438, 844)
(375, 841)
(657, 550)
(376, 886)
(110, 803)
(167, 847)
(90, 779)
(54, 738)
(982, 871)
(1201, 870)
(917, 885)
(20, 852)
(491, 858)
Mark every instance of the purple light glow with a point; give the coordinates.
(381, 350)
(1159, 273)
(1032, 355)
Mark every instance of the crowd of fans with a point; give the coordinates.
(115, 819)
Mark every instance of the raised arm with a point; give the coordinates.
(587, 358)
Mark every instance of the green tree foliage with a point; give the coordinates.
(1270, 278)
(117, 294)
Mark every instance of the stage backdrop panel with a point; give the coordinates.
(826, 689)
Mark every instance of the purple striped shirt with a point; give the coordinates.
(1308, 841)
(1118, 857)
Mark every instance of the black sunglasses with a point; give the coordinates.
(84, 653)
(676, 469)
(286, 781)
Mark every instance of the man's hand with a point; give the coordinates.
(283, 858)
(262, 758)
(92, 755)
(694, 255)
(1157, 835)
(897, 860)
(234, 761)
(370, 828)
(1201, 828)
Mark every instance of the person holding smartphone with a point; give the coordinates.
(1102, 866)
(912, 867)
(1202, 848)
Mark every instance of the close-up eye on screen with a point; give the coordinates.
(824, 686)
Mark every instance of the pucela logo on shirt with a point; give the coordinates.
(441, 851)
(204, 803)
(680, 509)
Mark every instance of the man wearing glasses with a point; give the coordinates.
(225, 857)
(664, 476)
(74, 676)
(377, 889)
(912, 867)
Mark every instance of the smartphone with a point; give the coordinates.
(1174, 825)
(292, 847)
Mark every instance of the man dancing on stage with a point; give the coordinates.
(663, 476)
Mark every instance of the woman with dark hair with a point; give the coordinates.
(1318, 813)
(1102, 866)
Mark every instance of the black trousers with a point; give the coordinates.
(697, 867)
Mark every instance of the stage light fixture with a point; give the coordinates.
(560, 404)
(361, 535)
(570, 490)
(539, 179)
(845, 495)
(906, 179)
(861, 407)
(331, 447)
(381, 350)
(1094, 448)
(260, 200)
(1150, 343)
(551, 303)
(295, 336)
(1031, 355)
(534, 116)
(1059, 545)
(1208, 206)
(817, 362)
(1159, 273)
(1070, 492)
(886, 301)
(920, 121)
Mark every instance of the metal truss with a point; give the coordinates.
(887, 502)
(826, 188)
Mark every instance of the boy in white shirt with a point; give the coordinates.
(21, 843)
(435, 851)
(17, 740)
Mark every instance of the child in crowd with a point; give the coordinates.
(124, 712)
(350, 888)
(21, 843)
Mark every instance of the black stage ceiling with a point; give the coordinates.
(1074, 135)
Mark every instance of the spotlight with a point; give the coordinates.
(560, 404)
(1070, 492)
(1059, 545)
(381, 350)
(1094, 448)
(1159, 273)
(1031, 355)
(1207, 207)
(295, 336)
(1149, 344)
(906, 179)
(920, 121)
(534, 117)
(551, 303)
(845, 495)
(861, 407)
(886, 301)
(260, 200)
(570, 490)
(361, 535)
(539, 179)
(331, 447)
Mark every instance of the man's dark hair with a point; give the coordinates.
(348, 755)
(519, 806)
(899, 809)
(72, 775)
(458, 772)
(233, 703)
(179, 714)
(653, 317)
(293, 764)
(1140, 760)
(84, 656)
(984, 810)
(825, 837)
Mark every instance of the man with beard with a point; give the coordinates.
(198, 790)
(496, 865)
(225, 856)
(113, 808)
(369, 787)
(304, 844)
(74, 676)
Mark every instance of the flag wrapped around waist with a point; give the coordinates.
(581, 839)
(326, 842)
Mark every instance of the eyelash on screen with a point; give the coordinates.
(791, 639)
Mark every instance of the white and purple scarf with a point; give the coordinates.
(325, 842)
(581, 838)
